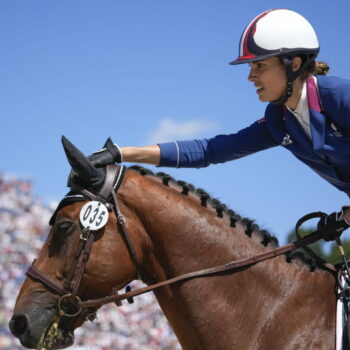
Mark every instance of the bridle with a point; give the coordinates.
(68, 290)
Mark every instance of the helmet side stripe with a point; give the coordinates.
(244, 52)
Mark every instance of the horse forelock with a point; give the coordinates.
(251, 229)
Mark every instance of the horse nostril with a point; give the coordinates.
(18, 325)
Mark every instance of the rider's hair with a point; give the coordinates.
(315, 68)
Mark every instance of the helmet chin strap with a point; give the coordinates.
(291, 76)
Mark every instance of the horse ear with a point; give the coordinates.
(79, 163)
(109, 142)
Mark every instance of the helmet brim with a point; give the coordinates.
(245, 60)
(241, 60)
(277, 53)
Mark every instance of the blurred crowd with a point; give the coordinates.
(23, 227)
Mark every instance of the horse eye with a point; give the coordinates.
(60, 233)
(64, 226)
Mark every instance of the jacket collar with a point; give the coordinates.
(313, 95)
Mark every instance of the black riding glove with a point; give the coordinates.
(109, 154)
(332, 225)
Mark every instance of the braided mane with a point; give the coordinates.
(251, 228)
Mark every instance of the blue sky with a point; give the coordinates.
(142, 71)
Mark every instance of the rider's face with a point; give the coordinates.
(269, 77)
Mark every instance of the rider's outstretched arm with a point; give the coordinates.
(145, 155)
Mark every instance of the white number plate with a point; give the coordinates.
(93, 215)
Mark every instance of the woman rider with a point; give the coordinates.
(308, 112)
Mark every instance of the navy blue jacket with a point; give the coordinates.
(328, 153)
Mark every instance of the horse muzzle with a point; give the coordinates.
(48, 332)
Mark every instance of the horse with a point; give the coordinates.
(281, 303)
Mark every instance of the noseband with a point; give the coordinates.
(69, 302)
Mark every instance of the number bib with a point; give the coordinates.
(93, 215)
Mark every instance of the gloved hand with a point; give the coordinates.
(332, 225)
(109, 154)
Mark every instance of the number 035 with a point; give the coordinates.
(93, 215)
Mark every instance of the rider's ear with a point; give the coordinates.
(296, 64)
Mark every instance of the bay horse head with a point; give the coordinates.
(84, 257)
(173, 229)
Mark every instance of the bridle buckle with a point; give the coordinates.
(85, 234)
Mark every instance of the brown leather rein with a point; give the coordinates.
(69, 289)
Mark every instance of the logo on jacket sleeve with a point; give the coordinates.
(287, 140)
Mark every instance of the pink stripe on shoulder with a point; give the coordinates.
(312, 95)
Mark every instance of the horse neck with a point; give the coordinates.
(182, 236)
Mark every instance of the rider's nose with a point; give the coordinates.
(251, 75)
(18, 325)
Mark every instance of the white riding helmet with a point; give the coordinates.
(277, 32)
(282, 33)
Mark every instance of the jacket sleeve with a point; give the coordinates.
(219, 149)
